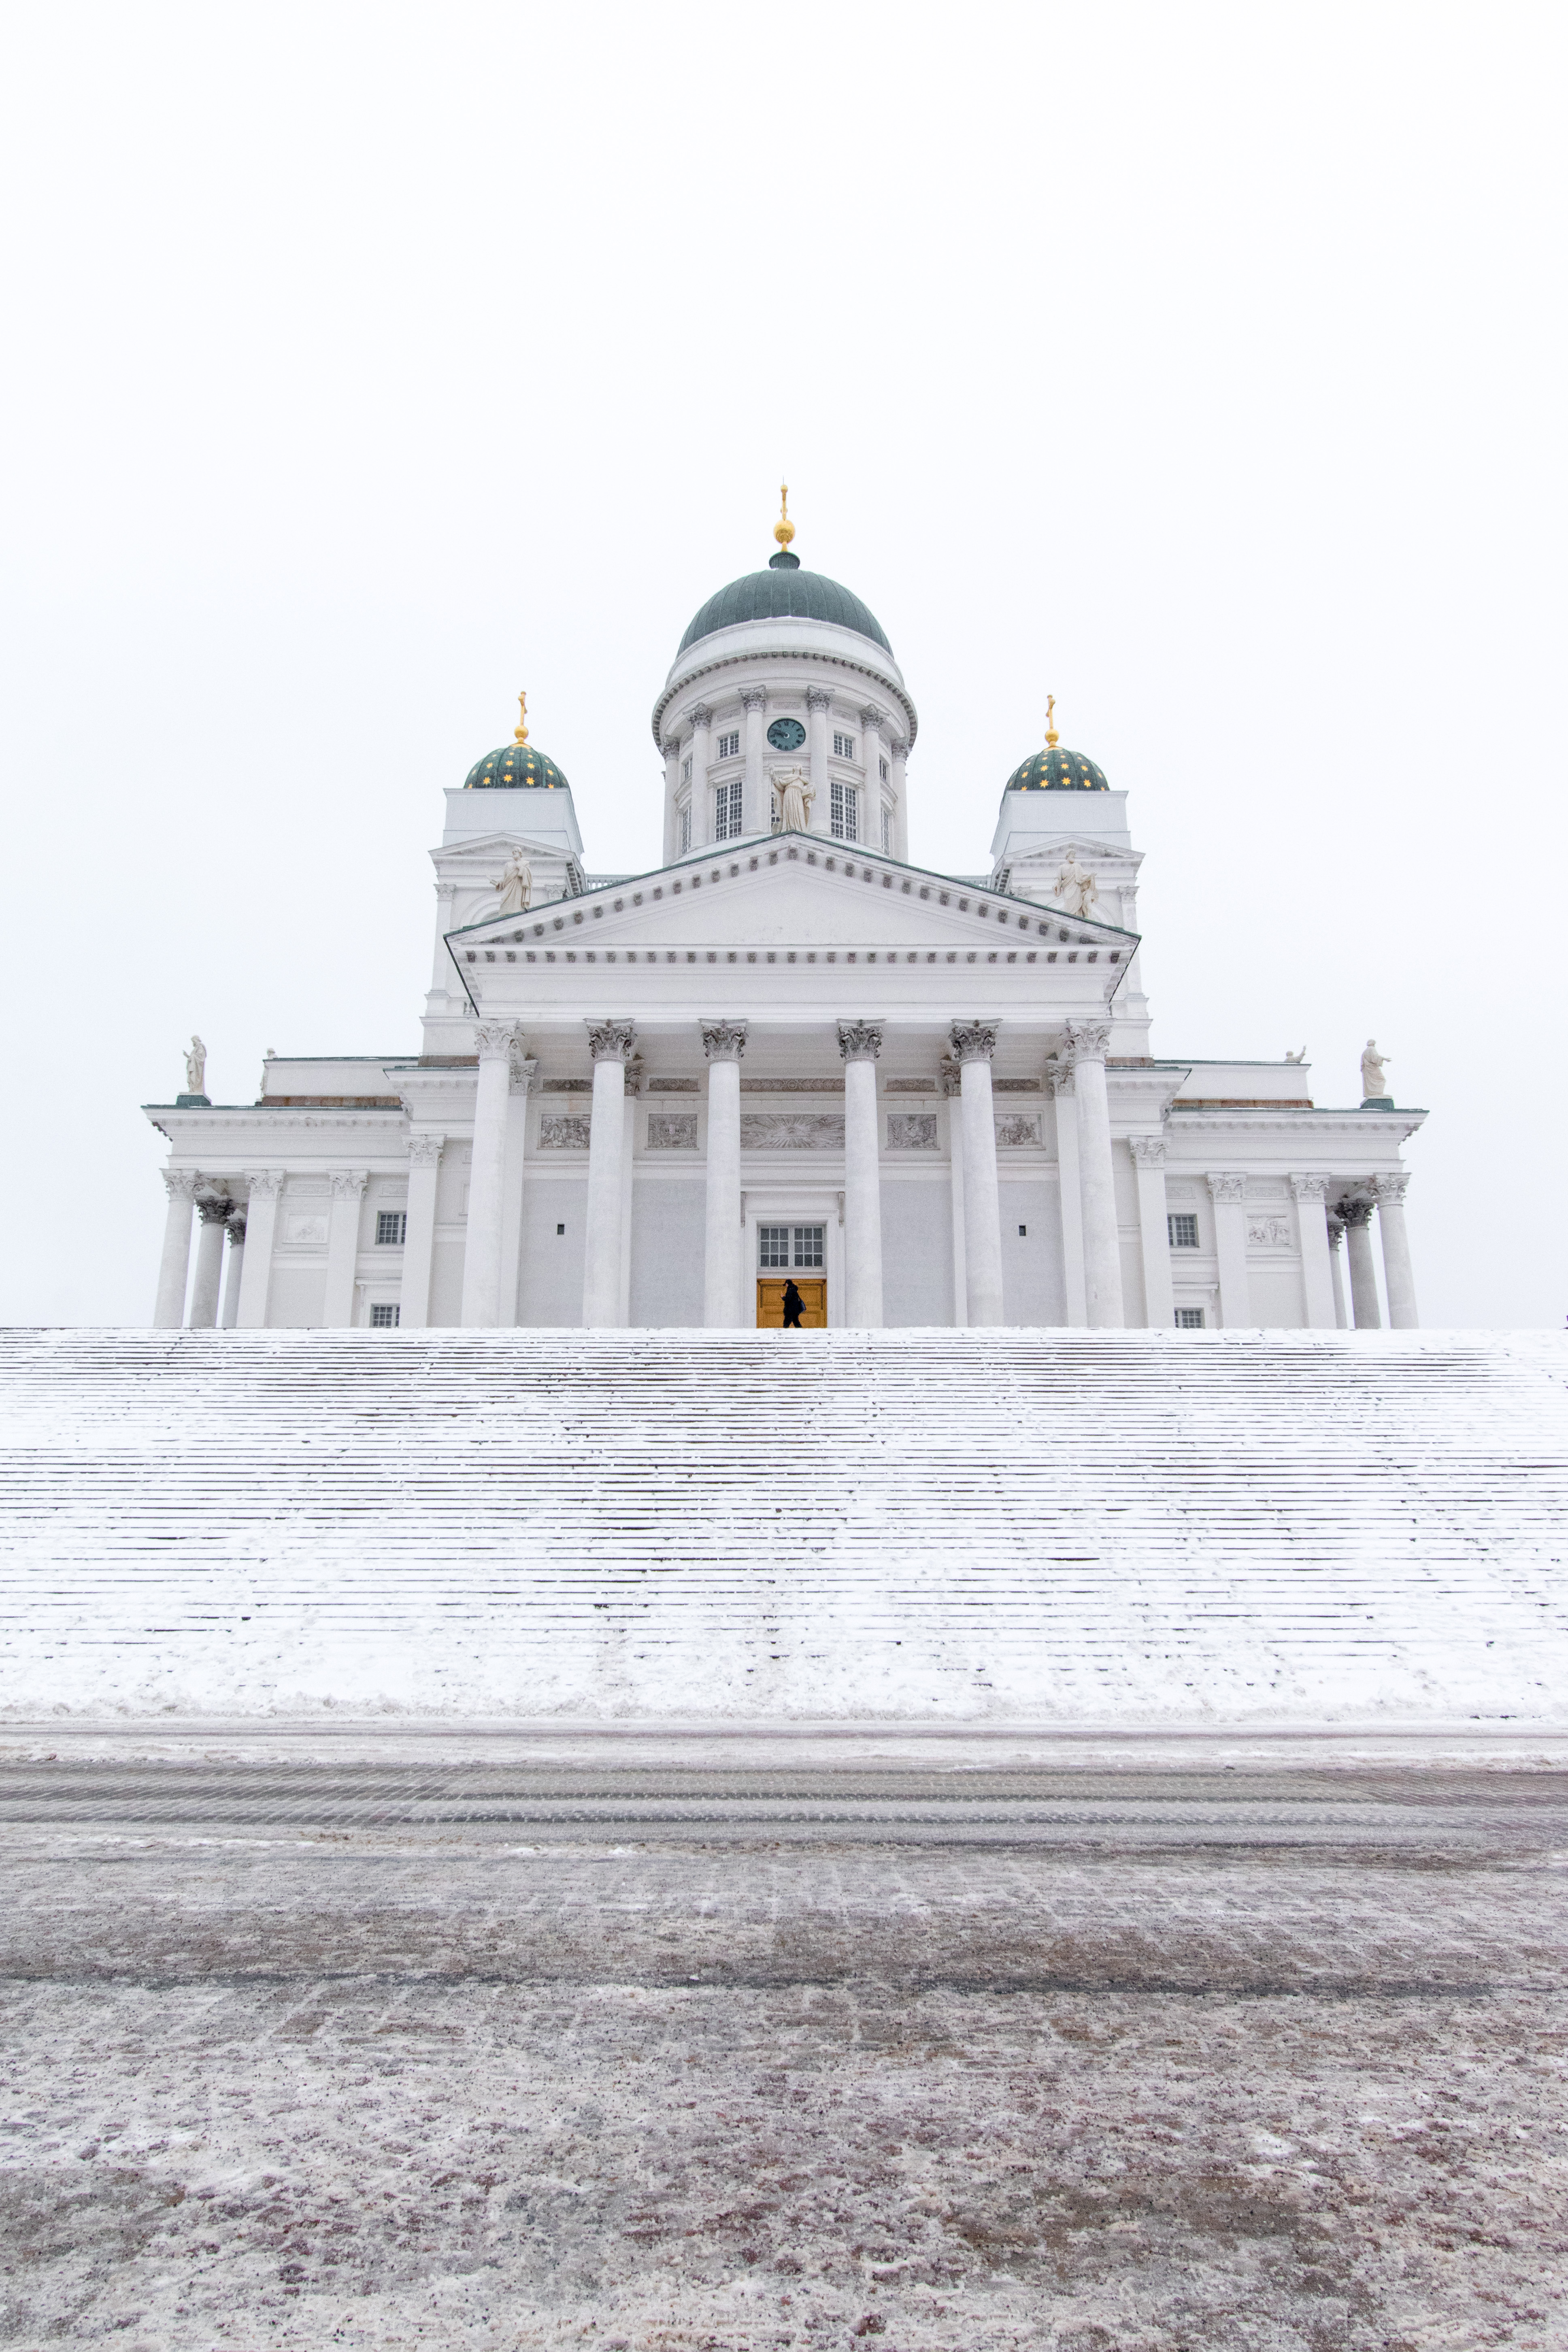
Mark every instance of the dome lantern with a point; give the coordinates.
(1054, 770)
(517, 765)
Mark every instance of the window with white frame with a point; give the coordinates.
(845, 802)
(800, 1248)
(883, 766)
(383, 1317)
(685, 826)
(844, 747)
(1182, 1231)
(686, 769)
(886, 828)
(1189, 1319)
(727, 811)
(391, 1227)
(729, 747)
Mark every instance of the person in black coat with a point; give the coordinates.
(792, 1304)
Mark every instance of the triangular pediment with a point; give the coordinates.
(793, 889)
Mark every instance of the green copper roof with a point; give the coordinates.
(785, 589)
(517, 766)
(1057, 771)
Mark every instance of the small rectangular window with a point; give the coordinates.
(1189, 1319)
(772, 1245)
(844, 747)
(727, 811)
(886, 828)
(686, 769)
(883, 766)
(729, 747)
(845, 800)
(391, 1225)
(384, 1319)
(1023, 1232)
(808, 1244)
(559, 1229)
(1183, 1232)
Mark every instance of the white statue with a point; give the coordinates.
(1077, 889)
(793, 786)
(1296, 1057)
(1373, 1085)
(196, 1067)
(516, 885)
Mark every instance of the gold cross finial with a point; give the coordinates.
(784, 529)
(1052, 738)
(520, 732)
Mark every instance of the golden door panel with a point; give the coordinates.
(770, 1305)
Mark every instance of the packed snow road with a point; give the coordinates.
(400, 2049)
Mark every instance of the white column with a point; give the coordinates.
(236, 1274)
(1336, 1235)
(1227, 1191)
(1357, 1215)
(952, 1087)
(974, 1042)
(755, 814)
(1087, 1041)
(486, 1175)
(1154, 1232)
(872, 722)
(520, 1078)
(1398, 1273)
(214, 1214)
(610, 1045)
(174, 1265)
(860, 1043)
(628, 1172)
(419, 1233)
(1318, 1269)
(342, 1248)
(818, 703)
(1058, 1079)
(264, 1184)
(900, 802)
(671, 792)
(723, 1273)
(701, 720)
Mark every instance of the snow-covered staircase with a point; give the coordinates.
(1036, 1527)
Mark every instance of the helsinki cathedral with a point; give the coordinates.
(787, 1075)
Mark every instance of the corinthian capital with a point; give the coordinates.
(817, 697)
(872, 719)
(859, 1040)
(495, 1039)
(215, 1207)
(973, 1041)
(1228, 1186)
(424, 1150)
(611, 1041)
(1353, 1213)
(180, 1183)
(265, 1183)
(1391, 1186)
(1087, 1040)
(753, 697)
(724, 1041)
(1309, 1188)
(236, 1229)
(1148, 1150)
(1058, 1078)
(348, 1183)
(699, 716)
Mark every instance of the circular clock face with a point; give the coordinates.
(787, 734)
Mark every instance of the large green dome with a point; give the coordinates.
(1054, 770)
(516, 765)
(783, 589)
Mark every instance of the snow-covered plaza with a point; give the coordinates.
(648, 2046)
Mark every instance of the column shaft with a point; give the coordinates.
(701, 799)
(860, 1043)
(342, 1248)
(1229, 1193)
(1336, 1235)
(671, 794)
(818, 703)
(1317, 1267)
(1398, 1273)
(1097, 1178)
(873, 794)
(419, 1233)
(952, 1086)
(607, 1145)
(260, 1228)
(1070, 1187)
(755, 815)
(723, 1273)
(235, 1276)
(1154, 1232)
(513, 1176)
(1364, 1307)
(974, 1042)
(208, 1279)
(900, 803)
(487, 1177)
(174, 1264)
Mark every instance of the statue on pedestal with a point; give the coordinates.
(1373, 1085)
(793, 786)
(196, 1067)
(1077, 889)
(515, 885)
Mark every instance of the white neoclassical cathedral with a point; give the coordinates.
(786, 1078)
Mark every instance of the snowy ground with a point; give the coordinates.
(1166, 2058)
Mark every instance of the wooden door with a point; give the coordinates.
(769, 1304)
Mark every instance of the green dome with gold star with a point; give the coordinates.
(1054, 770)
(518, 766)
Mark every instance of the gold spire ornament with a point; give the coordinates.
(520, 732)
(1052, 738)
(784, 529)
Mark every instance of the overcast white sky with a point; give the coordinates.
(1201, 365)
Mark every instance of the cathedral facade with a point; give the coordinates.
(786, 1078)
